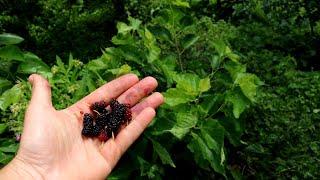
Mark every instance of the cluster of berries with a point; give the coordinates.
(104, 123)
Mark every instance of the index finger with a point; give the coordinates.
(106, 92)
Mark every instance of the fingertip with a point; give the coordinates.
(159, 97)
(152, 80)
(31, 78)
(133, 77)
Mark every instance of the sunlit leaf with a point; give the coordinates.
(10, 97)
(184, 122)
(8, 39)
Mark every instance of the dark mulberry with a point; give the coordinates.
(105, 124)
(98, 106)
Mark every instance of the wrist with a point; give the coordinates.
(18, 168)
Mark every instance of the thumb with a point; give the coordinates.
(41, 90)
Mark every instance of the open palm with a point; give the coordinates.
(52, 146)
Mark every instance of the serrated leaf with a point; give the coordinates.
(184, 122)
(174, 97)
(11, 52)
(10, 97)
(238, 101)
(213, 133)
(202, 153)
(8, 39)
(189, 40)
(162, 153)
(190, 83)
(247, 83)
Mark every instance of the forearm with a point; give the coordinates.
(19, 169)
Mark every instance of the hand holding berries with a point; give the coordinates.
(106, 123)
(52, 145)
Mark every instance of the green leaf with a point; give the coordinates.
(33, 64)
(12, 148)
(5, 158)
(134, 23)
(212, 2)
(3, 128)
(220, 47)
(233, 129)
(161, 32)
(204, 84)
(192, 84)
(213, 133)
(184, 122)
(203, 154)
(10, 97)
(150, 43)
(189, 40)
(11, 52)
(174, 97)
(212, 103)
(215, 62)
(162, 153)
(96, 65)
(181, 3)
(238, 101)
(124, 69)
(4, 84)
(123, 39)
(123, 28)
(247, 83)
(234, 69)
(8, 39)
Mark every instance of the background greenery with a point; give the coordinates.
(221, 120)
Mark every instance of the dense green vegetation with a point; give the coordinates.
(240, 79)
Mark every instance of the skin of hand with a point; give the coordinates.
(52, 146)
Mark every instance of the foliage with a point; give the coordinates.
(201, 53)
(286, 142)
(203, 103)
(58, 27)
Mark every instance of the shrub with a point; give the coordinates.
(204, 98)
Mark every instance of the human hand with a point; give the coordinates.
(52, 146)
